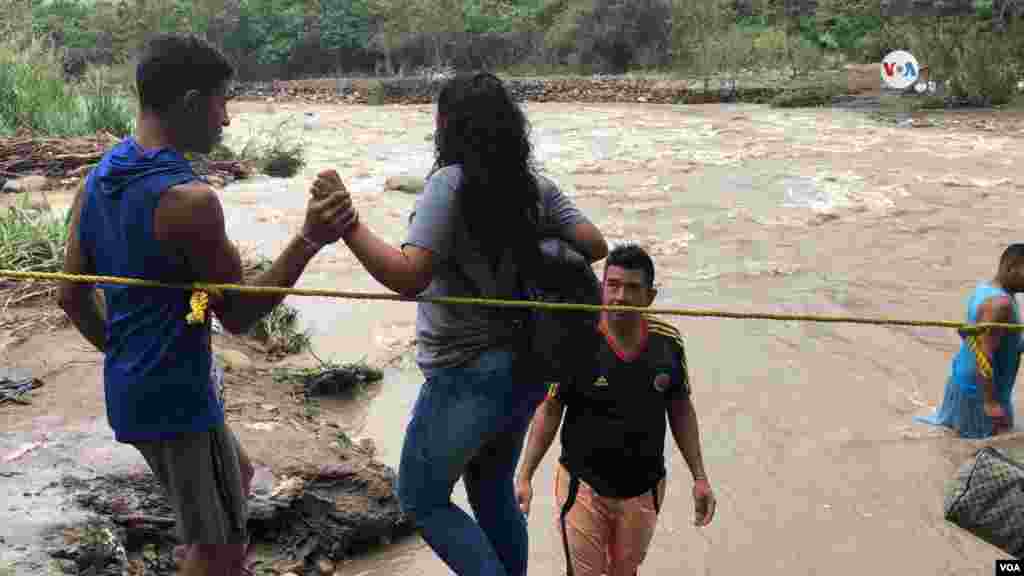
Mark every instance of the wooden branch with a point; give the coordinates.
(156, 521)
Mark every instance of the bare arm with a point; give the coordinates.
(682, 419)
(997, 310)
(76, 299)
(407, 271)
(587, 238)
(191, 218)
(542, 433)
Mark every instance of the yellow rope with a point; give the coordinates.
(980, 358)
(201, 291)
(964, 328)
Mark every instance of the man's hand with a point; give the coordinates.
(329, 213)
(1000, 421)
(524, 494)
(703, 503)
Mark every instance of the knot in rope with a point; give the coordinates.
(199, 304)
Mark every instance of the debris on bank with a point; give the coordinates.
(52, 157)
(63, 162)
(330, 380)
(308, 517)
(15, 385)
(423, 90)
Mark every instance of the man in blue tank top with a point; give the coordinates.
(978, 402)
(143, 213)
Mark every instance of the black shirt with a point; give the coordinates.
(613, 435)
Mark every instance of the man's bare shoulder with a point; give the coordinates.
(187, 208)
(194, 194)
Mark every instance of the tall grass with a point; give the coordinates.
(35, 96)
(31, 241)
(106, 107)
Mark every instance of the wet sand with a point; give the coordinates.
(807, 428)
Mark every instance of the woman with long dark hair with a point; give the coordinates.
(482, 204)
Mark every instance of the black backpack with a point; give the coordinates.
(554, 344)
(561, 342)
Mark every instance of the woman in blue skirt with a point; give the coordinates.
(978, 401)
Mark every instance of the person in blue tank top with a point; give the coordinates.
(978, 402)
(143, 213)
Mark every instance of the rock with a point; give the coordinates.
(289, 567)
(326, 567)
(233, 360)
(344, 509)
(31, 183)
(408, 184)
(93, 547)
(367, 446)
(337, 511)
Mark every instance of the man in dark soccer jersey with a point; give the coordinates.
(611, 473)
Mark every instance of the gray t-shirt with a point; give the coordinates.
(449, 335)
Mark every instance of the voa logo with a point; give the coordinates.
(1009, 567)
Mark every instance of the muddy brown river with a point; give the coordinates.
(807, 429)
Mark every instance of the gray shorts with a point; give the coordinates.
(201, 475)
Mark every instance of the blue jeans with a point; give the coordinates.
(469, 421)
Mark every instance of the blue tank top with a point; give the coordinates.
(1007, 359)
(157, 367)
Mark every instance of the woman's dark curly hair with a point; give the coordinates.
(485, 132)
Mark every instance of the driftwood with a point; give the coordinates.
(65, 158)
(51, 157)
(140, 520)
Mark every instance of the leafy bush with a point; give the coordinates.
(276, 152)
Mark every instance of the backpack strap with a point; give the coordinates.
(570, 499)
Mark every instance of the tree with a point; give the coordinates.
(439, 20)
(393, 22)
(344, 24)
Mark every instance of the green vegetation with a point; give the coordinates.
(326, 379)
(49, 84)
(35, 96)
(276, 151)
(278, 331)
(978, 51)
(31, 241)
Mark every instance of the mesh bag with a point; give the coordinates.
(987, 500)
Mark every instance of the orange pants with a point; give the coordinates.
(606, 535)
